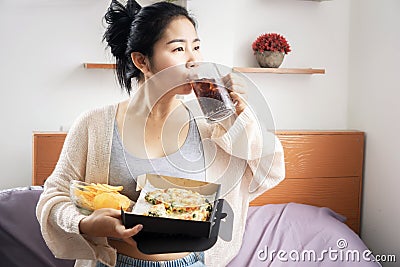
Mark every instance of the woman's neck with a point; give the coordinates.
(163, 108)
(146, 104)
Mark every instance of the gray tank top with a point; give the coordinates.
(187, 162)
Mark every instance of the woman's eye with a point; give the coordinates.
(197, 47)
(178, 49)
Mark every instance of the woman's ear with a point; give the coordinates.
(141, 62)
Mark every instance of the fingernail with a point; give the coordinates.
(139, 227)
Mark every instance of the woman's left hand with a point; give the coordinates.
(237, 91)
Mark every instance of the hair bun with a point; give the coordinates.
(119, 19)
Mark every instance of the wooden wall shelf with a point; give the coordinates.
(99, 65)
(235, 69)
(279, 70)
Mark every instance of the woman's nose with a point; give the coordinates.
(191, 64)
(192, 59)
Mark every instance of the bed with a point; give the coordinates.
(310, 218)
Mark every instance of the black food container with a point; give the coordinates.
(167, 235)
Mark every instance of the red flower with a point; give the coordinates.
(271, 42)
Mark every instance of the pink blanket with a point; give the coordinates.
(300, 235)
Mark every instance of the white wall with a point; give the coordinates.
(374, 108)
(44, 43)
(318, 35)
(43, 84)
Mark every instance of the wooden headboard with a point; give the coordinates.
(323, 168)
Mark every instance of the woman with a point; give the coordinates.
(148, 41)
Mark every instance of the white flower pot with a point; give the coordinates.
(269, 59)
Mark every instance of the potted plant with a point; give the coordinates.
(270, 49)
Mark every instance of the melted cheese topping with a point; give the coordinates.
(178, 203)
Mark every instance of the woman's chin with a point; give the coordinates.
(182, 90)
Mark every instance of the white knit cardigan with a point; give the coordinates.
(86, 156)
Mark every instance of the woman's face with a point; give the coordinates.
(179, 45)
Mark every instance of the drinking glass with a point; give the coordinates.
(212, 95)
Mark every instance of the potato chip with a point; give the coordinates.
(96, 196)
(111, 200)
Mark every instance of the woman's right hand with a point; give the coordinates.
(107, 223)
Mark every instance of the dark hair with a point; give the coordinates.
(132, 28)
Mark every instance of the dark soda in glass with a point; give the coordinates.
(213, 98)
